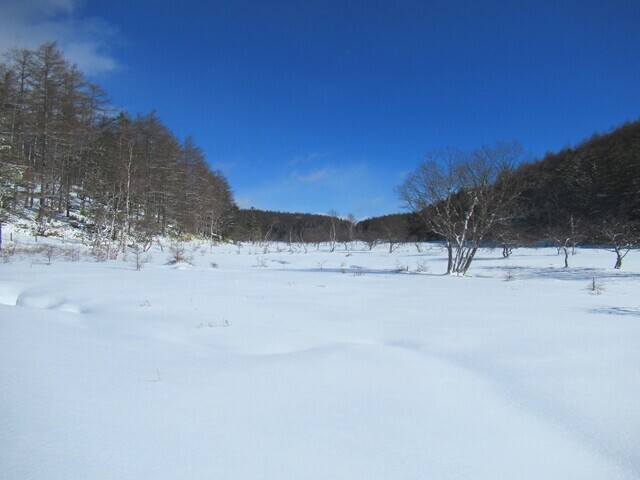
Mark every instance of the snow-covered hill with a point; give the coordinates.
(265, 362)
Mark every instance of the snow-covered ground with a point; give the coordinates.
(318, 365)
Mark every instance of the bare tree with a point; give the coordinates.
(390, 235)
(46, 84)
(507, 237)
(351, 227)
(333, 230)
(621, 238)
(461, 196)
(371, 241)
(10, 174)
(566, 238)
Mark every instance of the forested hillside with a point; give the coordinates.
(64, 152)
(596, 181)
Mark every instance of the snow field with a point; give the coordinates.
(320, 365)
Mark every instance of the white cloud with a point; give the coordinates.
(245, 202)
(84, 40)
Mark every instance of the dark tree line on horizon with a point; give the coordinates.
(63, 152)
(254, 225)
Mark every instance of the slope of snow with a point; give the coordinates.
(321, 365)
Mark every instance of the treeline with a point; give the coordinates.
(260, 226)
(63, 152)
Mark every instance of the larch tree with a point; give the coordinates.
(129, 177)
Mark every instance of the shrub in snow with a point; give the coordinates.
(140, 258)
(225, 323)
(359, 272)
(49, 252)
(401, 267)
(596, 288)
(71, 254)
(179, 254)
(100, 253)
(422, 266)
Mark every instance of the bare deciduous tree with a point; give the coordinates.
(566, 238)
(333, 230)
(461, 196)
(621, 238)
(351, 227)
(10, 174)
(508, 238)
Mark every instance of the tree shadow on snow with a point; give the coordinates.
(560, 273)
(635, 312)
(361, 271)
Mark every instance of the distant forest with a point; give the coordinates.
(127, 179)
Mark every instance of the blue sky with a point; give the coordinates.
(326, 105)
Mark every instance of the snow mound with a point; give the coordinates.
(10, 293)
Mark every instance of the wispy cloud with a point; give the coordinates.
(307, 159)
(226, 166)
(347, 187)
(85, 40)
(311, 177)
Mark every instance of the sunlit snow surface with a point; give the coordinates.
(319, 365)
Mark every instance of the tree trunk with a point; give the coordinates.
(619, 256)
(469, 258)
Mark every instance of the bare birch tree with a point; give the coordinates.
(461, 196)
(333, 230)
